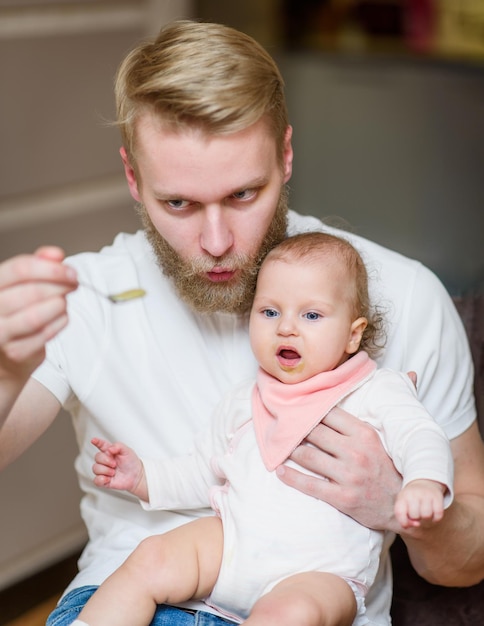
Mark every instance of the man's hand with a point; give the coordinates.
(33, 308)
(360, 479)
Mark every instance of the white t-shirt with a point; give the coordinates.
(150, 372)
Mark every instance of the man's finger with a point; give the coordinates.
(413, 378)
(315, 487)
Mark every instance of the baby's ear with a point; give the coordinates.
(356, 333)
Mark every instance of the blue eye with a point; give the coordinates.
(312, 316)
(270, 313)
(244, 194)
(177, 204)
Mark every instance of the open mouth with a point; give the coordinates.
(288, 356)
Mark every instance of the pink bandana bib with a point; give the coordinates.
(285, 414)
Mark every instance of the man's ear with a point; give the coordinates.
(288, 154)
(130, 175)
(356, 334)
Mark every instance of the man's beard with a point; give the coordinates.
(189, 276)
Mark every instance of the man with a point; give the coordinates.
(207, 153)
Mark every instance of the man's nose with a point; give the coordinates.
(216, 237)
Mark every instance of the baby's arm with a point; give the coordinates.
(420, 500)
(119, 467)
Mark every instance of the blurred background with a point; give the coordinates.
(386, 98)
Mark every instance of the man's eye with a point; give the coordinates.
(177, 204)
(244, 194)
(312, 315)
(270, 313)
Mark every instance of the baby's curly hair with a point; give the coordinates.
(316, 247)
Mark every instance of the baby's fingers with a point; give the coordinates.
(437, 510)
(101, 444)
(407, 512)
(105, 458)
(103, 469)
(404, 519)
(106, 447)
(101, 481)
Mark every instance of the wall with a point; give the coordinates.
(392, 147)
(61, 182)
(395, 148)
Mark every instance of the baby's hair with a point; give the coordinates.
(315, 247)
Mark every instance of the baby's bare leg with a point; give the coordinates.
(164, 569)
(308, 599)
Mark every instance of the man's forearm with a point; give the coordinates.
(33, 412)
(9, 392)
(451, 553)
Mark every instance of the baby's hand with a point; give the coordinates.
(420, 501)
(117, 466)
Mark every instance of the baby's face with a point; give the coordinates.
(301, 321)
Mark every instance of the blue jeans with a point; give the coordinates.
(72, 604)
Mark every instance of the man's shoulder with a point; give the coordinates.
(380, 260)
(298, 223)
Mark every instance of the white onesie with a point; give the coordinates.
(272, 531)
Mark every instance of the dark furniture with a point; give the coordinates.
(416, 602)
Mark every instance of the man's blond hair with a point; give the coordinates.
(202, 75)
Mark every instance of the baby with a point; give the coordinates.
(270, 554)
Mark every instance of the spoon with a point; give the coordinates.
(123, 296)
